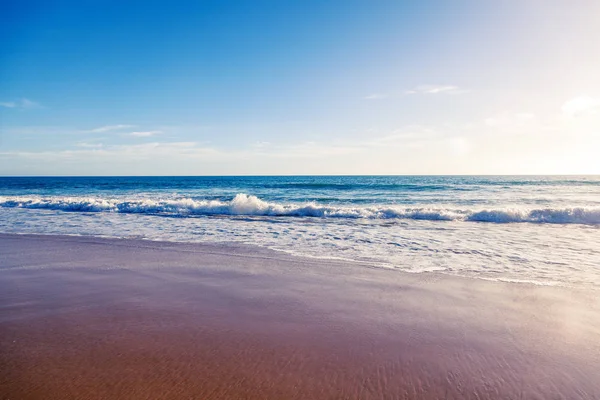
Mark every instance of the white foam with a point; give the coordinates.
(244, 204)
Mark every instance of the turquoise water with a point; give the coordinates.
(542, 230)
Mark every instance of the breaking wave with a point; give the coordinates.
(248, 205)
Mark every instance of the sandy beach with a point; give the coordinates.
(92, 318)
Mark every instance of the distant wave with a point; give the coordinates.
(247, 205)
(365, 186)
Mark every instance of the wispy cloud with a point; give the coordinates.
(22, 103)
(261, 145)
(375, 96)
(582, 105)
(109, 128)
(25, 103)
(436, 89)
(84, 151)
(145, 133)
(86, 145)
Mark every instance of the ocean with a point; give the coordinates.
(542, 230)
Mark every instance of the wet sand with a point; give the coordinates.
(90, 318)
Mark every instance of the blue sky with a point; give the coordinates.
(307, 87)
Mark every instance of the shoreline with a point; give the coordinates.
(88, 317)
(248, 249)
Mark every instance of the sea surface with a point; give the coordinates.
(542, 230)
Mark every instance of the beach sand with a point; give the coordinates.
(91, 318)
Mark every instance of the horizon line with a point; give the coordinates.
(282, 175)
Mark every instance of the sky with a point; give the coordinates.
(100, 87)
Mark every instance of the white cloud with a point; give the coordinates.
(375, 96)
(110, 128)
(261, 144)
(23, 103)
(410, 150)
(91, 151)
(508, 142)
(582, 105)
(89, 145)
(145, 133)
(436, 89)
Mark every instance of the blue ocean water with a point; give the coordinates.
(542, 230)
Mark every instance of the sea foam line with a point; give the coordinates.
(248, 205)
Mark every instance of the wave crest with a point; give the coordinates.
(244, 204)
